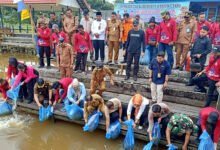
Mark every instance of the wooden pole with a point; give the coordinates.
(32, 25)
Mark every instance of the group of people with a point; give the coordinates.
(144, 113)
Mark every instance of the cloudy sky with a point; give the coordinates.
(111, 1)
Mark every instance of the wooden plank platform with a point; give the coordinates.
(139, 134)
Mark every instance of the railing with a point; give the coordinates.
(17, 29)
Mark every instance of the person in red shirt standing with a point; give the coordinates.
(4, 87)
(167, 35)
(211, 74)
(60, 89)
(216, 36)
(43, 34)
(209, 120)
(200, 23)
(82, 45)
(151, 38)
(55, 38)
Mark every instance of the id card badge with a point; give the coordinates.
(104, 78)
(114, 29)
(159, 75)
(187, 30)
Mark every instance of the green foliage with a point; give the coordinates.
(100, 5)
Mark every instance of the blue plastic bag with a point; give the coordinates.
(129, 138)
(5, 108)
(13, 93)
(172, 147)
(74, 112)
(92, 123)
(206, 142)
(145, 60)
(156, 134)
(45, 113)
(114, 130)
(148, 146)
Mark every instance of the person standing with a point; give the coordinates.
(82, 45)
(86, 22)
(186, 32)
(69, 25)
(53, 20)
(216, 37)
(114, 35)
(42, 18)
(151, 34)
(65, 58)
(98, 31)
(201, 48)
(159, 71)
(167, 35)
(55, 38)
(211, 74)
(127, 26)
(202, 22)
(135, 47)
(43, 34)
(141, 23)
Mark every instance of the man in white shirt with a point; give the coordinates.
(98, 35)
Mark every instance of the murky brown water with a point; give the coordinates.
(26, 133)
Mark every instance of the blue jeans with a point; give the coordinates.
(169, 50)
(153, 51)
(37, 47)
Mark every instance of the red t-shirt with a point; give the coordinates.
(199, 26)
(44, 38)
(204, 113)
(167, 31)
(56, 36)
(213, 69)
(65, 82)
(4, 88)
(151, 34)
(82, 43)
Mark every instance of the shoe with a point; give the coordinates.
(40, 67)
(181, 68)
(20, 100)
(109, 62)
(29, 101)
(140, 127)
(135, 78)
(189, 84)
(123, 62)
(199, 90)
(116, 62)
(127, 78)
(48, 67)
(177, 67)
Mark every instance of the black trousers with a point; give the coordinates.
(23, 91)
(136, 57)
(126, 52)
(114, 116)
(27, 90)
(81, 59)
(42, 50)
(144, 115)
(200, 82)
(99, 46)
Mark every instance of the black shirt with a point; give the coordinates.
(135, 41)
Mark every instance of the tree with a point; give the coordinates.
(100, 5)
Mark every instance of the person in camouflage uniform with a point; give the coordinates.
(180, 126)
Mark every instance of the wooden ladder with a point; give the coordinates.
(83, 5)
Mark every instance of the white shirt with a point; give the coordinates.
(144, 103)
(100, 28)
(87, 24)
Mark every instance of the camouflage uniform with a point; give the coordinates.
(179, 124)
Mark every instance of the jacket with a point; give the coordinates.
(71, 94)
(213, 68)
(151, 34)
(82, 43)
(4, 88)
(56, 36)
(127, 26)
(44, 37)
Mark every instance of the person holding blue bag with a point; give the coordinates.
(209, 120)
(4, 87)
(180, 127)
(151, 35)
(42, 92)
(93, 104)
(76, 93)
(113, 112)
(129, 137)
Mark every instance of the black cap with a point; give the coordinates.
(40, 81)
(152, 20)
(135, 22)
(13, 61)
(56, 85)
(98, 13)
(161, 53)
(213, 118)
(99, 64)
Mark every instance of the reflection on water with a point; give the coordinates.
(25, 132)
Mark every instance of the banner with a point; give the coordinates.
(148, 9)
